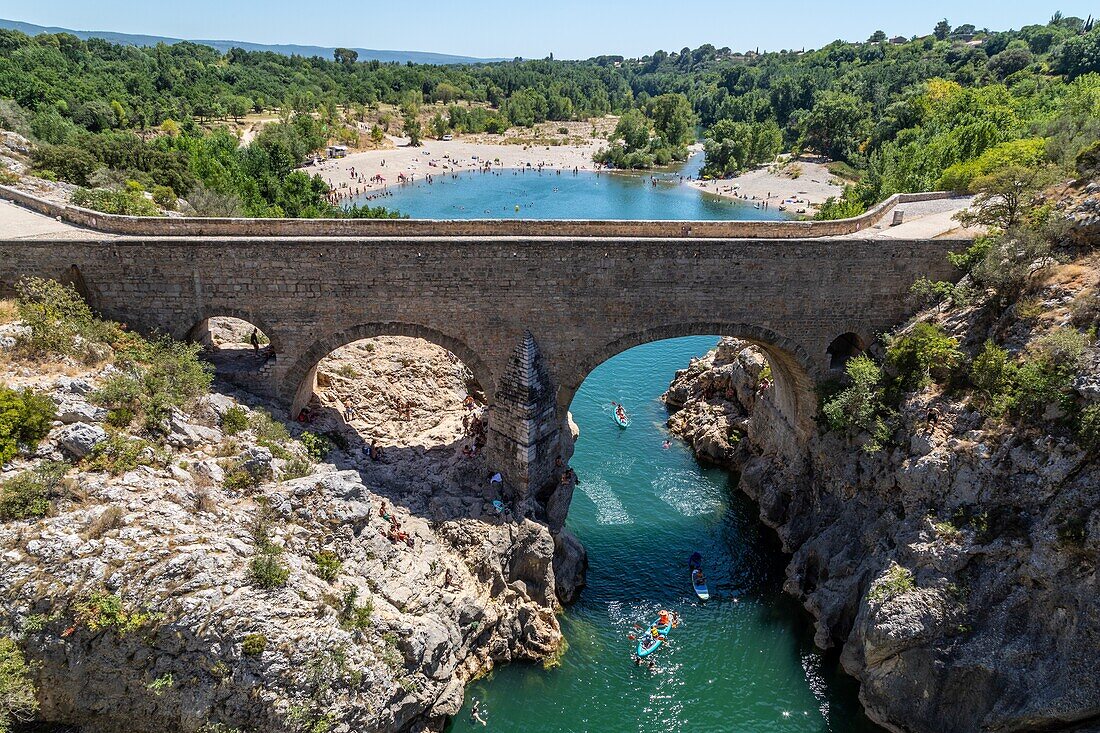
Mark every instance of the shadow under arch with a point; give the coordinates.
(791, 366)
(298, 383)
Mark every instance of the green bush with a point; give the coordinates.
(923, 355)
(1088, 161)
(106, 612)
(859, 408)
(1088, 428)
(120, 417)
(235, 420)
(926, 293)
(993, 376)
(60, 321)
(842, 208)
(28, 494)
(1046, 376)
(108, 201)
(18, 699)
(118, 454)
(254, 644)
(895, 582)
(25, 418)
(296, 468)
(239, 479)
(328, 565)
(354, 616)
(317, 446)
(161, 684)
(266, 428)
(156, 377)
(267, 571)
(165, 198)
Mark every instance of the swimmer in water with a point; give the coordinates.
(667, 444)
(475, 713)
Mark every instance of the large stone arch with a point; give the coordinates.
(792, 368)
(297, 382)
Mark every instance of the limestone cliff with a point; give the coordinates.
(137, 597)
(956, 568)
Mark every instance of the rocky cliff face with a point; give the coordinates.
(138, 597)
(956, 568)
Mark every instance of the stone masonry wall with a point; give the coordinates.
(583, 300)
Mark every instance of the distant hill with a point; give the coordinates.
(365, 54)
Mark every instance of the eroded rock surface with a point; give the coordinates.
(136, 601)
(956, 569)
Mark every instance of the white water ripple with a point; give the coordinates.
(609, 510)
(687, 493)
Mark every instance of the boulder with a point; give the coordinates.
(78, 439)
(185, 434)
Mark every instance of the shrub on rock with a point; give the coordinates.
(25, 418)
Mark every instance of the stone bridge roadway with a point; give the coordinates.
(530, 315)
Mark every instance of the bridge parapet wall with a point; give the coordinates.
(205, 227)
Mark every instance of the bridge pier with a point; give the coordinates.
(524, 429)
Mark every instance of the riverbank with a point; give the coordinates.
(916, 557)
(797, 186)
(372, 172)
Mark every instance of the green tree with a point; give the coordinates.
(673, 119)
(837, 125)
(439, 126)
(413, 130)
(18, 699)
(859, 408)
(921, 356)
(733, 147)
(1004, 195)
(345, 56)
(942, 30)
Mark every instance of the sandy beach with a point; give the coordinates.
(776, 185)
(375, 170)
(372, 172)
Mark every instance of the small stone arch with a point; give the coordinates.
(299, 381)
(791, 366)
(843, 348)
(257, 320)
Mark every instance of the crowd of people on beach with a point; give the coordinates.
(362, 187)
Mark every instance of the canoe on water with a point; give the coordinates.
(647, 644)
(620, 419)
(698, 580)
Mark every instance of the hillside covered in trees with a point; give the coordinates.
(904, 115)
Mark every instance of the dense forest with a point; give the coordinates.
(904, 115)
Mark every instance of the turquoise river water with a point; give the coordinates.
(743, 661)
(515, 194)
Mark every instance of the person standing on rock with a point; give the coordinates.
(254, 339)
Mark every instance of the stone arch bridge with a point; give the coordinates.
(530, 307)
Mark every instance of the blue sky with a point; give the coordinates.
(534, 28)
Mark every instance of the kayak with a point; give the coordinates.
(696, 565)
(647, 644)
(621, 420)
